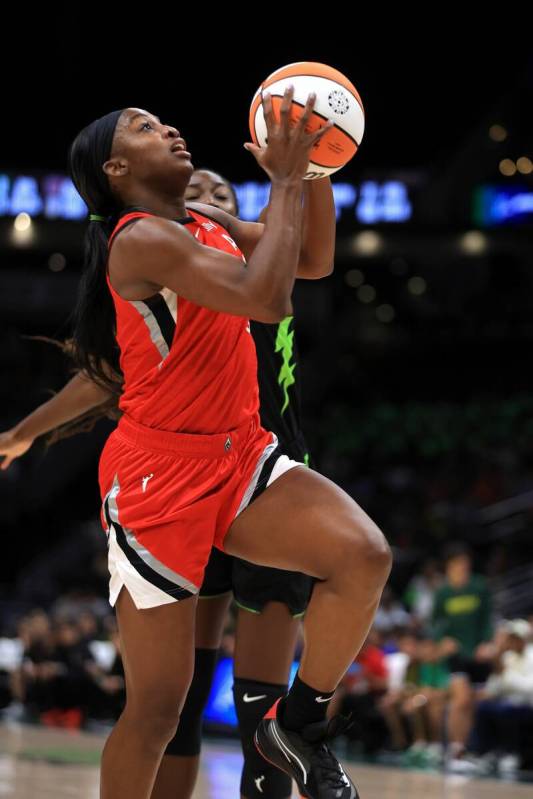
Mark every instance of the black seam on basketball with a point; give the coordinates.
(301, 105)
(156, 303)
(322, 166)
(348, 91)
(145, 570)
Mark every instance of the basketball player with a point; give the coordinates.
(189, 365)
(269, 601)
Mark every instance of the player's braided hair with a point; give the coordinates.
(94, 346)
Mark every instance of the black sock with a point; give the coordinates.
(303, 705)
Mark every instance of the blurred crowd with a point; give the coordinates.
(62, 667)
(440, 681)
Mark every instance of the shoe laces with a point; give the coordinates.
(323, 759)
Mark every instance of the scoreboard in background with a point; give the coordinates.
(370, 202)
(48, 196)
(52, 197)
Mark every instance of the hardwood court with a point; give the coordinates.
(33, 766)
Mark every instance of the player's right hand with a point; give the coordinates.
(286, 155)
(11, 447)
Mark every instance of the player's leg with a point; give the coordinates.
(265, 643)
(178, 771)
(305, 522)
(270, 603)
(157, 646)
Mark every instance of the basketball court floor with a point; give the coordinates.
(37, 763)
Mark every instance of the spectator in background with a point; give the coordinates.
(108, 694)
(391, 702)
(414, 710)
(59, 680)
(462, 623)
(391, 614)
(57, 685)
(87, 624)
(425, 707)
(504, 716)
(34, 631)
(419, 596)
(358, 694)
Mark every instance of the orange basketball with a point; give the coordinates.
(336, 99)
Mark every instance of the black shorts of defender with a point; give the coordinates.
(254, 586)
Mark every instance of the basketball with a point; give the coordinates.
(336, 99)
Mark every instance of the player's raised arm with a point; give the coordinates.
(317, 248)
(158, 251)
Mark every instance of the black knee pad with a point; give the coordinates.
(188, 739)
(260, 780)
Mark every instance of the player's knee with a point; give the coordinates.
(366, 551)
(379, 555)
(154, 720)
(155, 710)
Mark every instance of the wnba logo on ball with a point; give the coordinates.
(338, 102)
(336, 99)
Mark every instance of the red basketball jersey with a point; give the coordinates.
(186, 368)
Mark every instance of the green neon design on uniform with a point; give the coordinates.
(284, 344)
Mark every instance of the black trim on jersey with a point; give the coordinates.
(140, 566)
(164, 318)
(106, 512)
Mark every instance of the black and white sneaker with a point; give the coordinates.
(305, 756)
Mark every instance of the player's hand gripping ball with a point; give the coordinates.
(337, 99)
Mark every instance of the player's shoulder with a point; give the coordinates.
(144, 223)
(150, 234)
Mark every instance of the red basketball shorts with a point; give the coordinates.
(168, 498)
